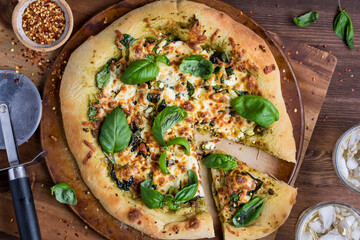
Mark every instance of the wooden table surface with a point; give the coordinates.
(317, 180)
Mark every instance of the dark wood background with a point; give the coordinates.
(317, 180)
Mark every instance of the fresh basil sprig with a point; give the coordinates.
(196, 65)
(256, 109)
(103, 77)
(154, 199)
(163, 163)
(220, 161)
(165, 120)
(306, 19)
(180, 141)
(343, 28)
(115, 133)
(248, 212)
(140, 71)
(64, 193)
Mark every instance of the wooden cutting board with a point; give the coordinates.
(57, 221)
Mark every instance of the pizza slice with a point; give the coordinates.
(251, 204)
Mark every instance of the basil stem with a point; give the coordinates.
(306, 19)
(248, 212)
(64, 193)
(140, 71)
(165, 120)
(181, 141)
(151, 198)
(220, 161)
(115, 133)
(196, 65)
(343, 28)
(256, 109)
(163, 163)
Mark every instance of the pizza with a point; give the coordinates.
(133, 96)
(251, 204)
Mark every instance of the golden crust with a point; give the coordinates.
(79, 82)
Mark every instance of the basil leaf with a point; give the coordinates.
(306, 19)
(196, 65)
(343, 28)
(151, 198)
(163, 59)
(181, 141)
(248, 212)
(102, 77)
(190, 88)
(165, 120)
(187, 193)
(139, 72)
(256, 109)
(163, 163)
(151, 57)
(220, 161)
(115, 133)
(240, 93)
(64, 193)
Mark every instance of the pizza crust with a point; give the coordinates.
(79, 82)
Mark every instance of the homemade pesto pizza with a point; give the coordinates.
(132, 98)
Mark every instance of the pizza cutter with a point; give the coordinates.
(20, 113)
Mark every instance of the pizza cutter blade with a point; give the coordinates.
(20, 113)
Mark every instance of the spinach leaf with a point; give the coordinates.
(240, 93)
(163, 163)
(103, 77)
(115, 133)
(188, 192)
(92, 113)
(163, 59)
(151, 198)
(123, 185)
(165, 120)
(229, 71)
(140, 71)
(162, 105)
(153, 97)
(260, 183)
(306, 19)
(196, 65)
(256, 109)
(190, 88)
(217, 69)
(221, 56)
(343, 28)
(64, 193)
(220, 161)
(248, 212)
(127, 41)
(181, 141)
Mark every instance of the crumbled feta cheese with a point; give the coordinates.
(208, 146)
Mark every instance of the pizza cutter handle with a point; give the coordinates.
(23, 201)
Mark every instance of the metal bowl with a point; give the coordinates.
(336, 155)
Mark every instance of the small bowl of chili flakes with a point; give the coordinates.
(42, 25)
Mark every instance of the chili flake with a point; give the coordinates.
(43, 21)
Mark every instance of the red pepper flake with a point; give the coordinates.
(277, 5)
(313, 79)
(251, 12)
(289, 53)
(325, 118)
(301, 63)
(105, 20)
(52, 137)
(339, 73)
(340, 80)
(353, 90)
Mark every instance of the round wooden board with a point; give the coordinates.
(61, 163)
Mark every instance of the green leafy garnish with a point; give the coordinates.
(220, 161)
(163, 59)
(154, 199)
(248, 212)
(64, 193)
(102, 77)
(140, 71)
(221, 56)
(163, 163)
(197, 66)
(165, 120)
(115, 133)
(306, 19)
(229, 71)
(256, 109)
(190, 88)
(180, 141)
(127, 42)
(343, 28)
